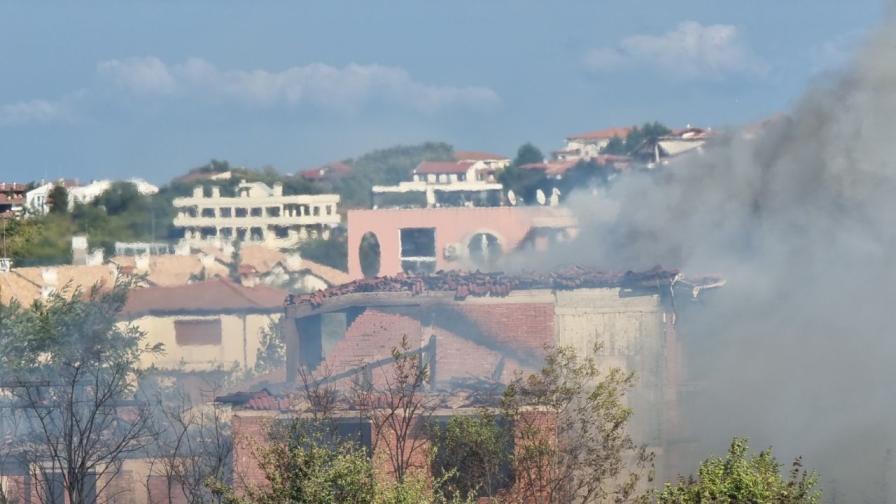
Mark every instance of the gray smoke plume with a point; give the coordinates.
(798, 350)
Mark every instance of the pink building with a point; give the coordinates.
(389, 241)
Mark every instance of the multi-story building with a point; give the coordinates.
(466, 183)
(257, 213)
(12, 199)
(588, 145)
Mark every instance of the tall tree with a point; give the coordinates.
(58, 199)
(527, 154)
(571, 439)
(78, 403)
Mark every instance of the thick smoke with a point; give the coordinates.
(798, 351)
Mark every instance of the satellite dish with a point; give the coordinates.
(511, 197)
(539, 196)
(555, 197)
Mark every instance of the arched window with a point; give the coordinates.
(369, 255)
(484, 250)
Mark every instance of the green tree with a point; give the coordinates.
(615, 146)
(472, 455)
(78, 404)
(120, 198)
(528, 154)
(304, 463)
(571, 434)
(648, 133)
(740, 477)
(524, 182)
(58, 199)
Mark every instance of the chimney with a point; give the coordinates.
(141, 263)
(198, 191)
(278, 189)
(79, 250)
(216, 191)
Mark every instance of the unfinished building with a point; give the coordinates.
(482, 328)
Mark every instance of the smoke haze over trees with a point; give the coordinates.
(797, 350)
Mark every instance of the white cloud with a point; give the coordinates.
(31, 111)
(689, 51)
(346, 88)
(142, 75)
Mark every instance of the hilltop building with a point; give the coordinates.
(470, 180)
(12, 199)
(258, 213)
(588, 145)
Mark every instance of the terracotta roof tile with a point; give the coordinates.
(477, 156)
(604, 134)
(427, 167)
(212, 296)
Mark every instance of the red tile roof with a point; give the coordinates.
(427, 167)
(12, 187)
(335, 169)
(477, 156)
(212, 296)
(552, 168)
(604, 134)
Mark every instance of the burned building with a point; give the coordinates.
(479, 329)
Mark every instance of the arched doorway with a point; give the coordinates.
(369, 254)
(484, 250)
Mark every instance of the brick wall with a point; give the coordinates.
(250, 431)
(372, 336)
(527, 326)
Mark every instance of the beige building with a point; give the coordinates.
(204, 326)
(588, 145)
(258, 214)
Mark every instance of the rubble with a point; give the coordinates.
(479, 284)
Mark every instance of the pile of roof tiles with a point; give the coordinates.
(478, 284)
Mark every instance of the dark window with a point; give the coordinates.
(197, 332)
(273, 211)
(240, 212)
(484, 249)
(256, 212)
(369, 255)
(418, 242)
(226, 212)
(315, 211)
(208, 212)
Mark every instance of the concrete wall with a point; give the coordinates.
(240, 337)
(455, 225)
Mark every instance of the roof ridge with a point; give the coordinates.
(237, 289)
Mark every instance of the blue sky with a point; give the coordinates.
(121, 89)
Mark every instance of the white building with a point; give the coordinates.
(258, 214)
(37, 200)
(588, 145)
(89, 193)
(444, 184)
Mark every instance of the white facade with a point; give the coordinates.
(257, 214)
(89, 193)
(37, 200)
